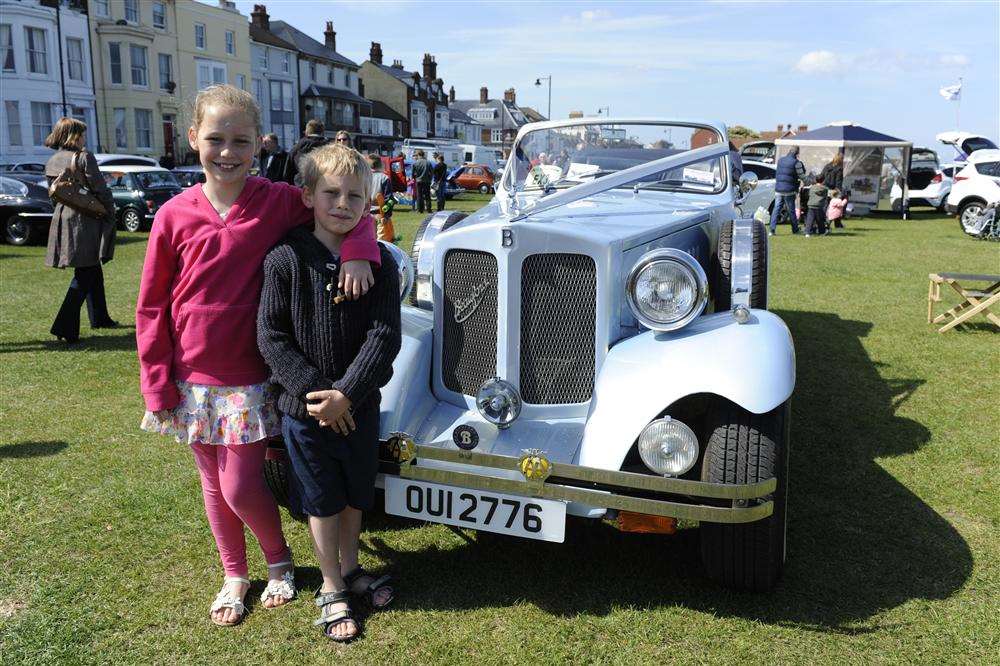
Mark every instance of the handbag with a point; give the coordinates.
(70, 189)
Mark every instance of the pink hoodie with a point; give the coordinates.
(196, 318)
(835, 210)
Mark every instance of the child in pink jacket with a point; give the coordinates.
(835, 210)
(202, 378)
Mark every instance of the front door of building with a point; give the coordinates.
(168, 137)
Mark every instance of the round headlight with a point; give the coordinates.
(666, 289)
(499, 402)
(405, 267)
(668, 447)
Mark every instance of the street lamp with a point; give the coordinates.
(538, 82)
(605, 109)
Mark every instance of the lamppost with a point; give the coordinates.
(605, 109)
(538, 82)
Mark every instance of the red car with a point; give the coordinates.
(474, 177)
(395, 168)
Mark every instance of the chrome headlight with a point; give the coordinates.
(499, 402)
(666, 289)
(405, 266)
(668, 447)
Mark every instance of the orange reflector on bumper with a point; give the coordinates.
(645, 523)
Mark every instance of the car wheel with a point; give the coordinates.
(968, 214)
(453, 219)
(484, 188)
(722, 285)
(276, 476)
(131, 220)
(17, 230)
(745, 448)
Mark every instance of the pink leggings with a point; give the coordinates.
(232, 482)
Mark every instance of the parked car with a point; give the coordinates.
(25, 210)
(595, 342)
(189, 175)
(451, 188)
(118, 159)
(760, 151)
(30, 172)
(139, 191)
(965, 143)
(928, 184)
(975, 186)
(473, 177)
(762, 195)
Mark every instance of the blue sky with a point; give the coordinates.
(757, 64)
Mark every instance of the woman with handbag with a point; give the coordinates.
(82, 232)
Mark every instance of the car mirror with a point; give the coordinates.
(748, 181)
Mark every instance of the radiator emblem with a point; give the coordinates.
(464, 307)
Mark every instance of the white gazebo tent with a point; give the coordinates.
(872, 160)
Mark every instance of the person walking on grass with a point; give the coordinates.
(422, 175)
(788, 172)
(440, 173)
(313, 138)
(202, 377)
(835, 211)
(815, 221)
(329, 358)
(382, 201)
(79, 239)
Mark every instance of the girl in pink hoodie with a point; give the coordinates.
(203, 380)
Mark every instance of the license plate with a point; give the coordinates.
(526, 517)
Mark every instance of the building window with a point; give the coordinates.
(496, 136)
(262, 58)
(282, 106)
(230, 42)
(258, 92)
(6, 48)
(241, 81)
(210, 73)
(100, 8)
(41, 122)
(74, 56)
(143, 128)
(13, 122)
(115, 53)
(166, 71)
(312, 71)
(329, 76)
(121, 137)
(132, 11)
(286, 63)
(159, 16)
(38, 61)
(137, 54)
(199, 35)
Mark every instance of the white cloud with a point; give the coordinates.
(594, 14)
(954, 60)
(819, 62)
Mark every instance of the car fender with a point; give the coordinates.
(407, 398)
(751, 364)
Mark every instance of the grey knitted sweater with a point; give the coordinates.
(312, 344)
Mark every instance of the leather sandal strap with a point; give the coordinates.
(335, 617)
(378, 584)
(327, 598)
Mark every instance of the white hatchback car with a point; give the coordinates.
(929, 184)
(975, 186)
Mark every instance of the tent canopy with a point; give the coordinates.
(843, 135)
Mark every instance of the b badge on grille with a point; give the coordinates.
(464, 307)
(465, 437)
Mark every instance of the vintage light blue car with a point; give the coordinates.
(595, 342)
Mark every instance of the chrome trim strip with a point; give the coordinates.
(424, 270)
(741, 262)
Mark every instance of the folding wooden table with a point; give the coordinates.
(975, 301)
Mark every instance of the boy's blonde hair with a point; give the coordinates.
(224, 95)
(335, 160)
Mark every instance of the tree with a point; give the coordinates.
(739, 131)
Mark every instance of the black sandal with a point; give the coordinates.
(369, 592)
(329, 619)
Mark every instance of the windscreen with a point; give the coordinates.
(151, 180)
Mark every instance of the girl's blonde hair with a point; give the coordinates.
(225, 96)
(335, 160)
(66, 134)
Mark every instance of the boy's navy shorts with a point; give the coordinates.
(330, 471)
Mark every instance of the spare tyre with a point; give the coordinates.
(722, 282)
(452, 219)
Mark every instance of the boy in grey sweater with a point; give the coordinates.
(329, 356)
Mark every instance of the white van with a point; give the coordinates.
(475, 154)
(450, 149)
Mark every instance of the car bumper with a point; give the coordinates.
(533, 475)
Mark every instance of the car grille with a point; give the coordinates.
(469, 347)
(558, 327)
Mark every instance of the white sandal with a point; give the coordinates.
(283, 587)
(226, 599)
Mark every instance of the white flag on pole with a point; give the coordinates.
(952, 93)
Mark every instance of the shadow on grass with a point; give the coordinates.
(128, 239)
(125, 340)
(859, 541)
(31, 449)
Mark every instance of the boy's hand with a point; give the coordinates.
(355, 278)
(331, 409)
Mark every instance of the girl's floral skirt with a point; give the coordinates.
(219, 415)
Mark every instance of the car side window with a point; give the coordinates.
(989, 168)
(476, 171)
(117, 180)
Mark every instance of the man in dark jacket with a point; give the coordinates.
(312, 140)
(787, 175)
(440, 172)
(272, 159)
(422, 175)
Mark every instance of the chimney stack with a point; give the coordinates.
(397, 64)
(803, 128)
(375, 54)
(484, 95)
(451, 94)
(780, 127)
(260, 18)
(509, 96)
(430, 67)
(330, 36)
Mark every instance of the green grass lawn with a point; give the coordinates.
(893, 543)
